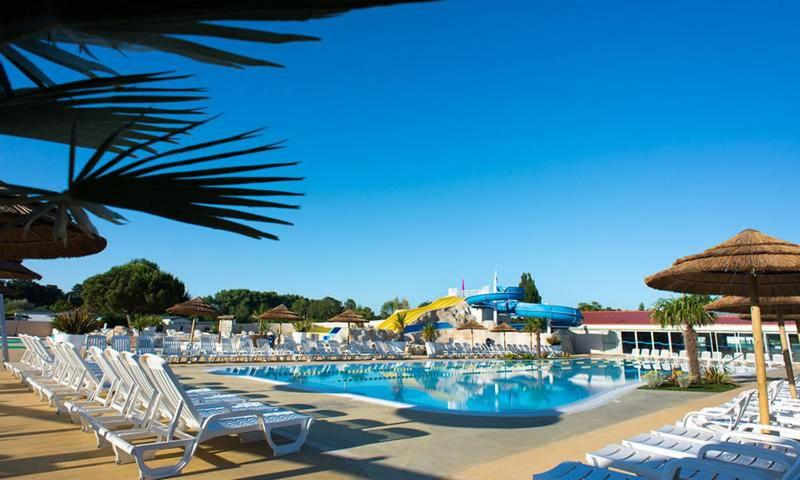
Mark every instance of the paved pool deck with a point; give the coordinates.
(350, 439)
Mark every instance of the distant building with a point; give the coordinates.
(619, 332)
(183, 324)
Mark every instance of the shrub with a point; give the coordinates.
(554, 340)
(140, 322)
(76, 322)
(717, 376)
(15, 305)
(683, 379)
(655, 379)
(429, 332)
(303, 326)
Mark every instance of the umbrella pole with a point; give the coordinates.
(191, 332)
(3, 337)
(472, 336)
(787, 358)
(758, 345)
(348, 333)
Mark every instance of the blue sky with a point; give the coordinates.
(588, 144)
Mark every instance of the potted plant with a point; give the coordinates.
(146, 323)
(554, 342)
(72, 326)
(301, 329)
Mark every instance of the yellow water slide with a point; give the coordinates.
(413, 314)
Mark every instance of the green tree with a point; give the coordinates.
(391, 306)
(61, 305)
(430, 331)
(595, 306)
(424, 304)
(535, 326)
(399, 325)
(36, 293)
(687, 312)
(14, 305)
(641, 307)
(137, 287)
(531, 294)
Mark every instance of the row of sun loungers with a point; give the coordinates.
(464, 350)
(706, 357)
(242, 349)
(138, 407)
(719, 443)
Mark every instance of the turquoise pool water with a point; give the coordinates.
(463, 386)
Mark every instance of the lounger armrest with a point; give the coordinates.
(237, 414)
(689, 417)
(672, 469)
(735, 448)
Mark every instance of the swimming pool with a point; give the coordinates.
(479, 387)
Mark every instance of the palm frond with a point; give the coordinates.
(37, 30)
(180, 189)
(99, 106)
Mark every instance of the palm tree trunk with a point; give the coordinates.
(539, 343)
(690, 339)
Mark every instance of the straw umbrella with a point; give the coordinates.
(503, 328)
(471, 325)
(194, 308)
(11, 269)
(37, 240)
(751, 264)
(772, 307)
(280, 315)
(348, 317)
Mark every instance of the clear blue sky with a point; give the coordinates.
(588, 144)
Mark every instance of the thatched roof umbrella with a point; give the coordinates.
(38, 240)
(348, 317)
(752, 265)
(280, 315)
(11, 269)
(772, 307)
(196, 307)
(471, 325)
(503, 328)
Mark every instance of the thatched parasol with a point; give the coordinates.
(471, 325)
(773, 307)
(752, 265)
(11, 269)
(16, 270)
(348, 317)
(196, 307)
(280, 315)
(39, 239)
(503, 328)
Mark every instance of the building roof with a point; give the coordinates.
(636, 317)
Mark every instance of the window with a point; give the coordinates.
(773, 343)
(628, 341)
(661, 340)
(645, 340)
(703, 342)
(727, 343)
(677, 341)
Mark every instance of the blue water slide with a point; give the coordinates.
(507, 300)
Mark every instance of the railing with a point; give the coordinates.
(733, 359)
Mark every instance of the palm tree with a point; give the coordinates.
(688, 313)
(535, 326)
(399, 324)
(429, 331)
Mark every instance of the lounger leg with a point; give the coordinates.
(293, 447)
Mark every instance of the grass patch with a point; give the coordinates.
(703, 387)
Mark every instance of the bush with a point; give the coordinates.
(16, 305)
(683, 379)
(140, 322)
(655, 379)
(76, 322)
(429, 332)
(303, 326)
(717, 376)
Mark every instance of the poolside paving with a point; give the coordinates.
(350, 439)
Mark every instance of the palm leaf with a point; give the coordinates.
(99, 106)
(41, 29)
(212, 197)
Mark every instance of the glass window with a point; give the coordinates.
(727, 343)
(773, 343)
(795, 343)
(661, 340)
(628, 341)
(645, 340)
(703, 342)
(746, 344)
(677, 341)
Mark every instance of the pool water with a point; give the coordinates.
(463, 386)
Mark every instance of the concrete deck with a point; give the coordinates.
(351, 439)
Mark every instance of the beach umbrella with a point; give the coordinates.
(777, 308)
(280, 315)
(15, 270)
(471, 325)
(18, 239)
(348, 317)
(503, 328)
(194, 308)
(752, 265)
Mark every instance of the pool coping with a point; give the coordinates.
(583, 405)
